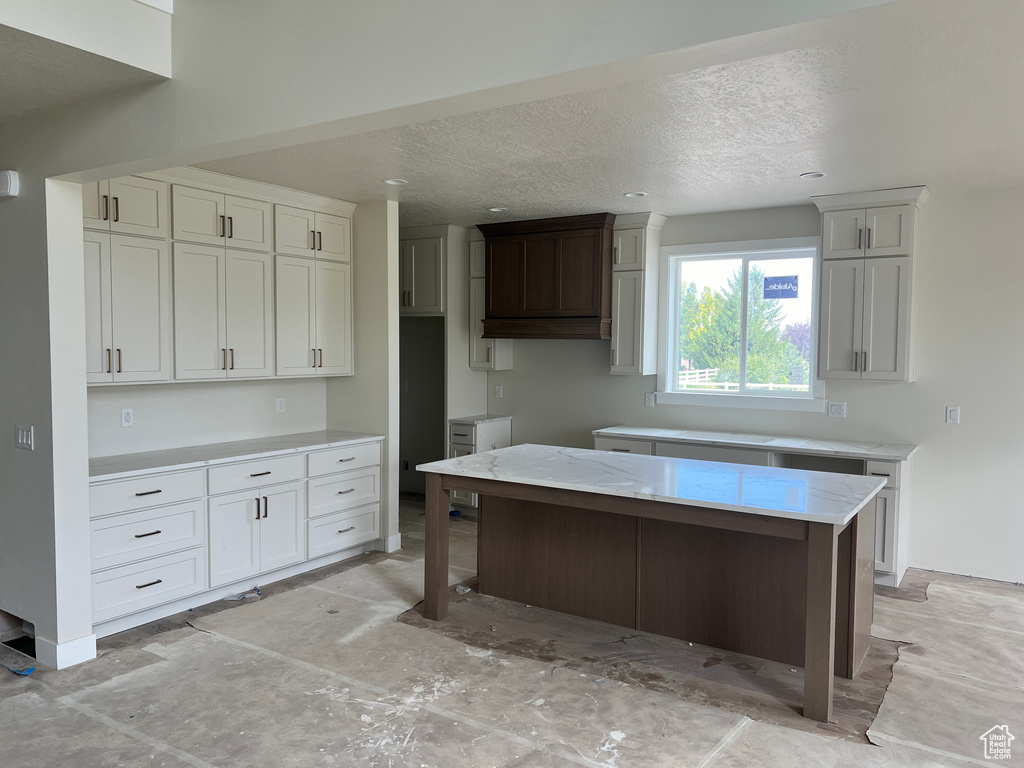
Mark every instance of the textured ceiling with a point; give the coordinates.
(37, 75)
(938, 102)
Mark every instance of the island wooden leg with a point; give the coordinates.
(436, 569)
(820, 639)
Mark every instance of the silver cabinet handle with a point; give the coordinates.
(488, 354)
(342, 493)
(350, 528)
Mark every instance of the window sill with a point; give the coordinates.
(763, 402)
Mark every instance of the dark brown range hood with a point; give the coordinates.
(549, 278)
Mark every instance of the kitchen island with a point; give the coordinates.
(771, 562)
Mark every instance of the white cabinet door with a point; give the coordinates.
(461, 498)
(96, 205)
(282, 525)
(842, 234)
(140, 301)
(295, 291)
(885, 530)
(628, 249)
(334, 318)
(248, 224)
(627, 321)
(477, 259)
(99, 344)
(139, 207)
(200, 332)
(889, 231)
(294, 231)
(249, 314)
(422, 277)
(333, 237)
(886, 318)
(234, 539)
(480, 349)
(198, 215)
(841, 319)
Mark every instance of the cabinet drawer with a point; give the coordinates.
(890, 470)
(463, 434)
(713, 453)
(339, 531)
(342, 459)
(142, 492)
(255, 474)
(334, 493)
(120, 539)
(623, 446)
(131, 588)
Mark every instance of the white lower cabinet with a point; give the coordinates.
(133, 587)
(256, 531)
(474, 434)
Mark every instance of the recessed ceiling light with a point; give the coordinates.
(635, 194)
(395, 182)
(498, 209)
(813, 175)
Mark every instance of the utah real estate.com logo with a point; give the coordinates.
(997, 742)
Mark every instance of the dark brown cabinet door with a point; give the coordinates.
(541, 276)
(579, 275)
(505, 271)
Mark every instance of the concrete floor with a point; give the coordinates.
(319, 673)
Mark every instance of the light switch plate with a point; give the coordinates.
(25, 437)
(127, 417)
(280, 405)
(952, 414)
(837, 409)
(499, 391)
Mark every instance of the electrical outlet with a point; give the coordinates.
(649, 399)
(498, 391)
(952, 414)
(280, 405)
(837, 409)
(25, 437)
(127, 417)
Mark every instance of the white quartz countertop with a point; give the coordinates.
(794, 494)
(191, 457)
(479, 419)
(812, 445)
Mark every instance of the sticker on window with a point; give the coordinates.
(780, 287)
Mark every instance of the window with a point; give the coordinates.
(740, 322)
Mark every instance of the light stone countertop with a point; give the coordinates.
(103, 468)
(483, 418)
(810, 445)
(794, 494)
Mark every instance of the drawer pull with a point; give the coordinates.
(350, 458)
(881, 474)
(350, 528)
(149, 493)
(144, 535)
(461, 434)
(344, 492)
(260, 474)
(621, 450)
(150, 584)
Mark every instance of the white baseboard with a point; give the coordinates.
(389, 544)
(64, 655)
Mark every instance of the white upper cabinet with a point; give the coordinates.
(421, 276)
(223, 313)
(627, 321)
(840, 331)
(628, 249)
(299, 232)
(484, 354)
(314, 317)
(128, 313)
(478, 258)
(212, 218)
(868, 232)
(130, 205)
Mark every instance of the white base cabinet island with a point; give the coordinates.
(174, 529)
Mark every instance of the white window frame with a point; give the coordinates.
(747, 250)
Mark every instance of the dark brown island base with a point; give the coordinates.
(775, 563)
